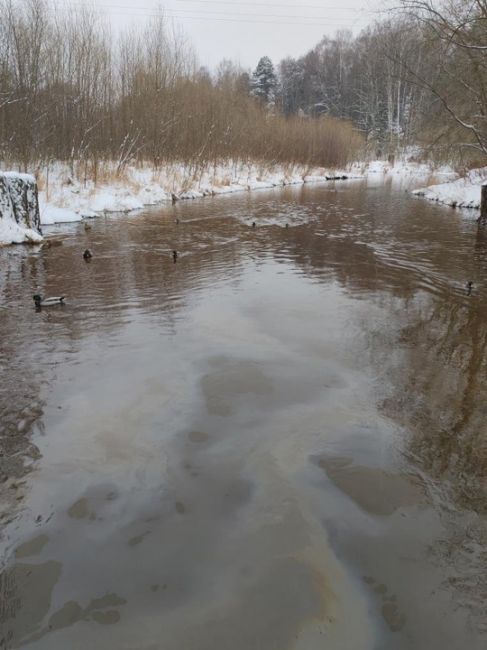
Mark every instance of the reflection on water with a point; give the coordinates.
(276, 442)
(445, 407)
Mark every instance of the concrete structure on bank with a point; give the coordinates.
(19, 209)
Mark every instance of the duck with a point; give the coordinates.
(87, 226)
(47, 302)
(50, 243)
(87, 255)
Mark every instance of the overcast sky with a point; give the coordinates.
(245, 31)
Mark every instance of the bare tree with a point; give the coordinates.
(71, 92)
(456, 31)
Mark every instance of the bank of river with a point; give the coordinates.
(274, 443)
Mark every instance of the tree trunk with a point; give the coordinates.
(483, 203)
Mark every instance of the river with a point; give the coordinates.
(276, 442)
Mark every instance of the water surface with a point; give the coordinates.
(277, 442)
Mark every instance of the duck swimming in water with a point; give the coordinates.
(47, 302)
(87, 255)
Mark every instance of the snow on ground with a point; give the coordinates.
(63, 198)
(50, 214)
(462, 192)
(68, 199)
(12, 233)
(406, 167)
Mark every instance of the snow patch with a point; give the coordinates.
(462, 193)
(406, 167)
(12, 233)
(66, 199)
(70, 200)
(50, 214)
(28, 178)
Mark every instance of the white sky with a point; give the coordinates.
(245, 31)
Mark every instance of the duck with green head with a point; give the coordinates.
(47, 302)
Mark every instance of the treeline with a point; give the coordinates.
(419, 77)
(362, 79)
(71, 92)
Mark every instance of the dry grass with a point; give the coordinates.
(148, 105)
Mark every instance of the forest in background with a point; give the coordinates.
(418, 77)
(70, 91)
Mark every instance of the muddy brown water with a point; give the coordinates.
(277, 442)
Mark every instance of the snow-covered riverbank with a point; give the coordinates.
(462, 192)
(13, 233)
(64, 198)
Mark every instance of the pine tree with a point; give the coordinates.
(263, 84)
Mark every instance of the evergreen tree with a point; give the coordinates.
(263, 84)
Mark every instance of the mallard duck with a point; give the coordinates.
(47, 302)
